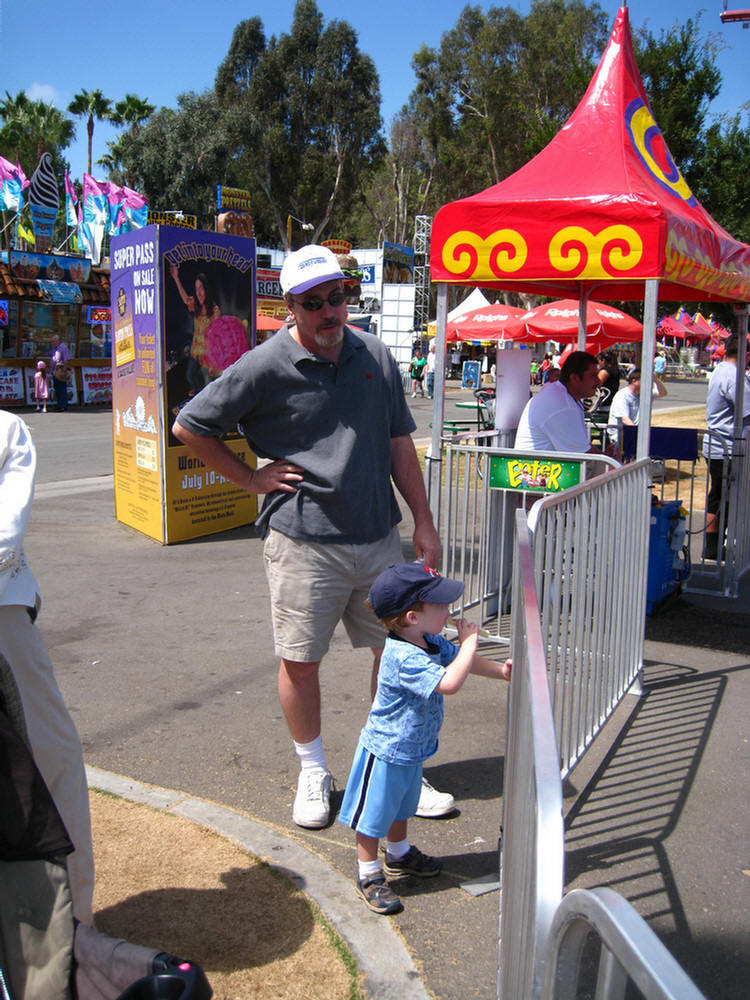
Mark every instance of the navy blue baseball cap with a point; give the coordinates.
(402, 585)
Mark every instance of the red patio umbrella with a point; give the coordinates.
(605, 324)
(264, 322)
(495, 322)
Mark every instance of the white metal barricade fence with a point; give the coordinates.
(476, 523)
(590, 547)
(531, 858)
(541, 932)
(722, 575)
(629, 951)
(741, 465)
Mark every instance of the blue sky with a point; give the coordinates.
(158, 49)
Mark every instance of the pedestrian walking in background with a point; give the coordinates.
(41, 386)
(416, 370)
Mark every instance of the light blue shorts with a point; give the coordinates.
(377, 794)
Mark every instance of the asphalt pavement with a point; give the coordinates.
(165, 657)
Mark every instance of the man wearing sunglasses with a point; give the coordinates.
(325, 404)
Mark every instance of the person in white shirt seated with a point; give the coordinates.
(625, 410)
(554, 419)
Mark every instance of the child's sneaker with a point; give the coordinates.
(412, 863)
(378, 894)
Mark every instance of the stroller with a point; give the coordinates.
(44, 953)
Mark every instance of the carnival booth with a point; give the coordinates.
(603, 208)
(43, 296)
(183, 303)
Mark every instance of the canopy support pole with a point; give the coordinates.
(434, 459)
(650, 306)
(740, 311)
(583, 305)
(738, 455)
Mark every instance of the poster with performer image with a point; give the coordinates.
(183, 308)
(137, 409)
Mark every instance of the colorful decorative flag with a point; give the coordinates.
(90, 236)
(95, 202)
(25, 182)
(136, 210)
(71, 202)
(26, 234)
(12, 184)
(116, 206)
(95, 216)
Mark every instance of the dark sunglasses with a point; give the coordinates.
(315, 304)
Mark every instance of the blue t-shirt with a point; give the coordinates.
(407, 712)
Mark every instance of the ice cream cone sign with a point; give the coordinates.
(44, 201)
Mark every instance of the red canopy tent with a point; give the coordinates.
(682, 328)
(603, 206)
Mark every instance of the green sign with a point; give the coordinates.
(533, 473)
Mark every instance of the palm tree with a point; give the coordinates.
(132, 111)
(30, 128)
(91, 104)
(112, 163)
(51, 129)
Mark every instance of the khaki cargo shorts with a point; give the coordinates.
(314, 587)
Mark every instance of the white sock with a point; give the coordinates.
(366, 869)
(398, 849)
(311, 754)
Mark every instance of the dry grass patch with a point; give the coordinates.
(693, 418)
(166, 883)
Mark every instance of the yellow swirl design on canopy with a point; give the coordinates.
(616, 248)
(468, 255)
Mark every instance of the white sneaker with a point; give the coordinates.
(312, 803)
(433, 803)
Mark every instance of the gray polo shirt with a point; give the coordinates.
(722, 387)
(335, 421)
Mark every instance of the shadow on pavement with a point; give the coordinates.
(618, 829)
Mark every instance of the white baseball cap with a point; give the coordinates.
(310, 266)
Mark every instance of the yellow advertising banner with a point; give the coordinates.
(199, 500)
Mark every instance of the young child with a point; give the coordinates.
(417, 668)
(41, 386)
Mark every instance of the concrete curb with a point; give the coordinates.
(381, 956)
